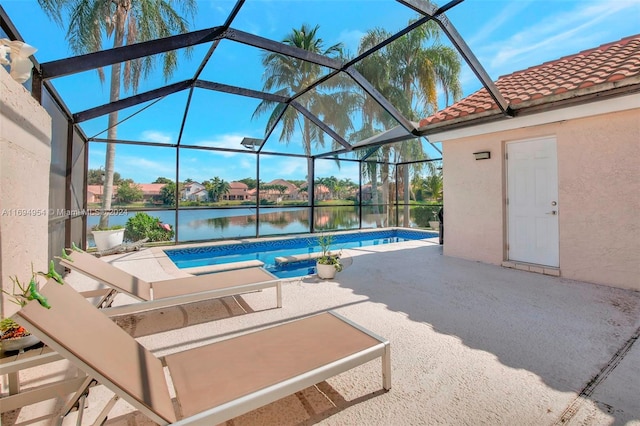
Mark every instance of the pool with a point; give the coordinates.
(267, 251)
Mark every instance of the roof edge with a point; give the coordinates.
(576, 97)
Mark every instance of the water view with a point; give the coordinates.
(210, 224)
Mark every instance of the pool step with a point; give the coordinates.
(223, 267)
(297, 257)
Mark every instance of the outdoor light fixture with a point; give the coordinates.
(251, 143)
(482, 155)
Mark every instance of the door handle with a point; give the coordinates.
(552, 212)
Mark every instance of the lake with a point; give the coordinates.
(215, 224)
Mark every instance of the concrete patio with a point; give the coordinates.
(471, 344)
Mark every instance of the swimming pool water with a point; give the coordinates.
(267, 251)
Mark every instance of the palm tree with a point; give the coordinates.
(408, 72)
(128, 22)
(432, 185)
(216, 188)
(289, 76)
(222, 188)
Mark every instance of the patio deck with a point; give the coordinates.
(471, 343)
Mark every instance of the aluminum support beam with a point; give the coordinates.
(475, 65)
(333, 153)
(118, 105)
(214, 45)
(234, 13)
(273, 127)
(219, 87)
(281, 48)
(328, 130)
(429, 10)
(381, 100)
(90, 61)
(390, 40)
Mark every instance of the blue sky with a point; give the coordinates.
(505, 35)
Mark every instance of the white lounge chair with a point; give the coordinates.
(174, 291)
(212, 383)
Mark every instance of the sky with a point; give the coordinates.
(504, 35)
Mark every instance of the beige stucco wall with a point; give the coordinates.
(599, 188)
(598, 195)
(25, 134)
(473, 199)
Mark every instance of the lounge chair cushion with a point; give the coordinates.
(105, 272)
(242, 365)
(108, 350)
(202, 283)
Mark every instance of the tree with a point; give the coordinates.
(250, 182)
(216, 188)
(168, 194)
(280, 189)
(128, 22)
(330, 182)
(223, 188)
(344, 187)
(129, 191)
(432, 186)
(297, 182)
(288, 76)
(96, 177)
(162, 180)
(408, 72)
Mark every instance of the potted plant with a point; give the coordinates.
(435, 223)
(108, 238)
(328, 264)
(14, 337)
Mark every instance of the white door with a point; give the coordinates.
(532, 204)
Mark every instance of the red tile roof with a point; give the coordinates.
(151, 188)
(238, 185)
(595, 70)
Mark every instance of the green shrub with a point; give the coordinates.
(423, 214)
(143, 226)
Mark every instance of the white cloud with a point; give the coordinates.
(245, 164)
(292, 168)
(136, 167)
(157, 136)
(351, 39)
(96, 156)
(507, 13)
(229, 140)
(347, 169)
(201, 165)
(558, 35)
(273, 167)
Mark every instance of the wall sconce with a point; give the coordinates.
(482, 155)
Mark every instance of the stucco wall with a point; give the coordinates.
(599, 201)
(599, 192)
(25, 134)
(473, 199)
